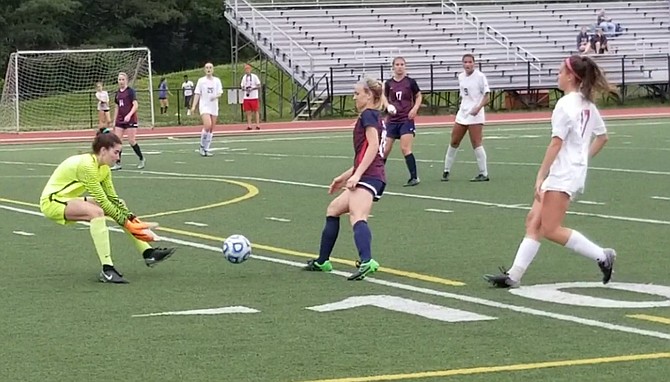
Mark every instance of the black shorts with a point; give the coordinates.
(187, 101)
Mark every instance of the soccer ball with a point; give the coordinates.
(236, 249)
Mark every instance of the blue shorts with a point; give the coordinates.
(375, 186)
(397, 129)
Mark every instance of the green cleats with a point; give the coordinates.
(313, 266)
(364, 269)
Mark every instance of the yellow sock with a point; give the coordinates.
(100, 235)
(139, 244)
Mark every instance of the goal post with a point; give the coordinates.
(55, 89)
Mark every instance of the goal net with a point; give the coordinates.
(55, 90)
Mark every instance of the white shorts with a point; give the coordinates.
(571, 186)
(214, 111)
(464, 118)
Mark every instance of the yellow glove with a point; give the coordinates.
(139, 229)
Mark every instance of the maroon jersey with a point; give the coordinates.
(370, 118)
(402, 95)
(125, 101)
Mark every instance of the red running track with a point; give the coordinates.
(317, 125)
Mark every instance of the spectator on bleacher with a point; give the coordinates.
(606, 23)
(583, 41)
(599, 42)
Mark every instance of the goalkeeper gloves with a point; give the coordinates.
(139, 229)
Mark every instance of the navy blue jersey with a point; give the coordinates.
(369, 118)
(402, 95)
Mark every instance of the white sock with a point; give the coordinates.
(450, 158)
(208, 140)
(524, 256)
(585, 247)
(203, 139)
(480, 154)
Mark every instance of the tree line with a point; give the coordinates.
(182, 34)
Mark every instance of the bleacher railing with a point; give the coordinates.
(294, 50)
(624, 70)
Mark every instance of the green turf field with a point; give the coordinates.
(427, 315)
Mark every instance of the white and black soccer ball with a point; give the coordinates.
(236, 249)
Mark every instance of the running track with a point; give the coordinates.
(317, 125)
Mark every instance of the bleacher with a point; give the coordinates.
(517, 45)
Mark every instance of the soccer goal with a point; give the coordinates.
(55, 90)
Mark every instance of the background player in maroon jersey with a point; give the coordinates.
(363, 183)
(403, 97)
(125, 118)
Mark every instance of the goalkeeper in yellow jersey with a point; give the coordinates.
(63, 201)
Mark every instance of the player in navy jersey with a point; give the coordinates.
(363, 184)
(402, 98)
(125, 118)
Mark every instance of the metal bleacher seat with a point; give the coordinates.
(507, 38)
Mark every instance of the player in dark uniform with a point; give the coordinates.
(125, 118)
(363, 184)
(403, 97)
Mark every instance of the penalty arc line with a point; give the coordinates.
(421, 290)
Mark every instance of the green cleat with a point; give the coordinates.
(313, 266)
(364, 269)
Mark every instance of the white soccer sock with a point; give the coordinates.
(203, 138)
(208, 140)
(585, 247)
(450, 157)
(480, 154)
(524, 256)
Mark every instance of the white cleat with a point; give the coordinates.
(141, 164)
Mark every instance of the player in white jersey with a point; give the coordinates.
(208, 90)
(474, 93)
(562, 175)
(104, 118)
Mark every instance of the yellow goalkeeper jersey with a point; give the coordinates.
(81, 174)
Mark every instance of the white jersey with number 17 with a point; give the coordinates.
(575, 120)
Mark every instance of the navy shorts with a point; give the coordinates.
(397, 129)
(129, 125)
(375, 186)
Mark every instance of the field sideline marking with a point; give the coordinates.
(497, 369)
(412, 288)
(283, 251)
(418, 196)
(623, 170)
(647, 317)
(654, 117)
(343, 157)
(191, 137)
(415, 196)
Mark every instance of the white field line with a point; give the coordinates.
(411, 288)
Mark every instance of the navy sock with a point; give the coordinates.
(328, 238)
(363, 240)
(411, 165)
